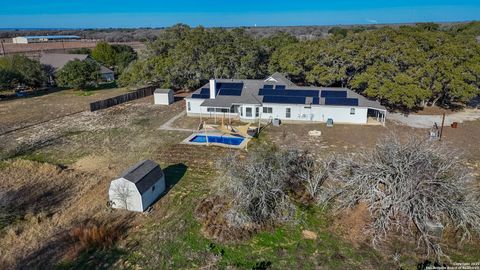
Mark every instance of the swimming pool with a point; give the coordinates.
(228, 140)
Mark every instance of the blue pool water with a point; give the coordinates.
(217, 139)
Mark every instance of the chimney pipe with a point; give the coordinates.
(213, 88)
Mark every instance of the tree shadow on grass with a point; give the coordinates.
(35, 198)
(173, 174)
(89, 244)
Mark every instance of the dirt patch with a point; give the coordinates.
(210, 212)
(352, 224)
(354, 138)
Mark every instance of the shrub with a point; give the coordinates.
(93, 236)
(79, 74)
(261, 184)
(410, 187)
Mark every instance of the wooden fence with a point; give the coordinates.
(110, 102)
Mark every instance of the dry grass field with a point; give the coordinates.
(22, 112)
(54, 179)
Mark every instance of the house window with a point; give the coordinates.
(248, 112)
(352, 111)
(210, 109)
(189, 107)
(241, 111)
(267, 110)
(153, 188)
(288, 113)
(257, 111)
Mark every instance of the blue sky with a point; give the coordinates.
(143, 13)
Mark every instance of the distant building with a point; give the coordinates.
(107, 74)
(163, 96)
(58, 60)
(43, 39)
(138, 187)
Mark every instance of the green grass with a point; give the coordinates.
(84, 93)
(93, 259)
(39, 157)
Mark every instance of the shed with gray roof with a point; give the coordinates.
(163, 96)
(138, 187)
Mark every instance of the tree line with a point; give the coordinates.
(404, 67)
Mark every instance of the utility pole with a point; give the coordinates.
(441, 128)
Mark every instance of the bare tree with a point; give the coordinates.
(122, 194)
(410, 187)
(257, 185)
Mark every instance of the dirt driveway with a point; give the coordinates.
(427, 121)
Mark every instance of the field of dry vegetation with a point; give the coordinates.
(54, 180)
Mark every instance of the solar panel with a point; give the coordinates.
(265, 92)
(268, 86)
(292, 93)
(303, 93)
(230, 92)
(341, 101)
(237, 85)
(200, 96)
(284, 99)
(205, 91)
(316, 100)
(280, 87)
(334, 94)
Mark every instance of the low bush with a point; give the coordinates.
(92, 236)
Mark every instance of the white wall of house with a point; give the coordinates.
(193, 106)
(153, 193)
(314, 113)
(163, 98)
(128, 189)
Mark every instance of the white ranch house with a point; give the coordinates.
(138, 187)
(277, 97)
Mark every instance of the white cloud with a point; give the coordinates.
(372, 21)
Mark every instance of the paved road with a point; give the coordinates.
(168, 125)
(426, 121)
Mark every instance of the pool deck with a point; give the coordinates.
(243, 145)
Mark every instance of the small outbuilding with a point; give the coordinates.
(107, 74)
(138, 187)
(163, 96)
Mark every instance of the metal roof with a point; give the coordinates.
(144, 174)
(163, 91)
(58, 60)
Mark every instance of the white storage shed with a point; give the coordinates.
(163, 96)
(138, 187)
